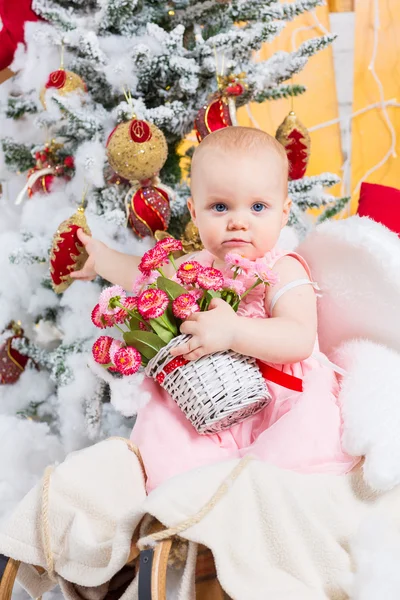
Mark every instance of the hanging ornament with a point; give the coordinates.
(51, 162)
(220, 111)
(67, 253)
(12, 362)
(137, 150)
(148, 208)
(116, 179)
(294, 137)
(64, 82)
(190, 239)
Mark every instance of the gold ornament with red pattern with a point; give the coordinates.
(64, 82)
(67, 253)
(12, 362)
(294, 137)
(220, 111)
(137, 150)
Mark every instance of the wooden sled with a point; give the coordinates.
(151, 566)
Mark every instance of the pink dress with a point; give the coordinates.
(300, 431)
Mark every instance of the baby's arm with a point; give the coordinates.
(116, 267)
(289, 335)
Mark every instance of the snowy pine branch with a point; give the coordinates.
(308, 183)
(18, 157)
(333, 210)
(279, 92)
(18, 106)
(63, 18)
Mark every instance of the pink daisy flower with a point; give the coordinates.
(184, 305)
(210, 279)
(153, 259)
(108, 297)
(188, 272)
(152, 303)
(127, 360)
(115, 346)
(235, 260)
(264, 273)
(98, 318)
(101, 349)
(144, 280)
(131, 303)
(234, 285)
(197, 294)
(170, 245)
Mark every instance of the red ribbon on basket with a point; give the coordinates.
(284, 379)
(269, 373)
(173, 364)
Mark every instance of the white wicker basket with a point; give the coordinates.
(214, 392)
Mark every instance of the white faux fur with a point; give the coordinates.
(376, 552)
(356, 262)
(371, 409)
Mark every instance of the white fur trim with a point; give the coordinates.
(356, 262)
(370, 398)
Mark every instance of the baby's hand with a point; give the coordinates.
(211, 331)
(93, 248)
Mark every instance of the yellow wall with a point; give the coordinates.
(370, 135)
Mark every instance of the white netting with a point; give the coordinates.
(214, 392)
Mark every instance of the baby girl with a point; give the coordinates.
(239, 203)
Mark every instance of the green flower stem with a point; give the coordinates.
(120, 328)
(131, 313)
(247, 292)
(161, 272)
(229, 298)
(171, 258)
(203, 302)
(167, 324)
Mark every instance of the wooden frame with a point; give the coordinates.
(152, 573)
(341, 5)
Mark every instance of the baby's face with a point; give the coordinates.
(239, 201)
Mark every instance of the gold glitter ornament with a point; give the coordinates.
(136, 150)
(67, 253)
(190, 239)
(64, 82)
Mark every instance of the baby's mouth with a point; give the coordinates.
(236, 241)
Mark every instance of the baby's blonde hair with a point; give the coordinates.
(241, 138)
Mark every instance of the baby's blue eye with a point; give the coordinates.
(220, 207)
(258, 207)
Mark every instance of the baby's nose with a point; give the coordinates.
(238, 223)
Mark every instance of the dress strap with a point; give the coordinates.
(290, 286)
(324, 361)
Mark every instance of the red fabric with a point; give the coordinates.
(284, 379)
(13, 14)
(380, 203)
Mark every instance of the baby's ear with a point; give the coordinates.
(287, 205)
(192, 209)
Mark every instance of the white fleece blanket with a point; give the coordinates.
(273, 533)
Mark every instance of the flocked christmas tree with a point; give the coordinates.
(87, 68)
